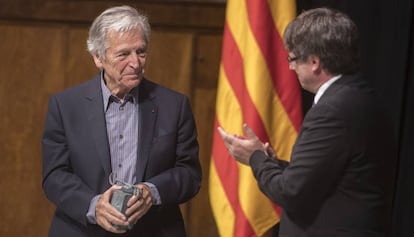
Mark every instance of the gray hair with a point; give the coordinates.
(328, 34)
(115, 19)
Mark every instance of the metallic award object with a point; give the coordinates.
(121, 196)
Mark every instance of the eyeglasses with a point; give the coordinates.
(292, 59)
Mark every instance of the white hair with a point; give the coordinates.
(115, 19)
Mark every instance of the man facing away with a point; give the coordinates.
(338, 182)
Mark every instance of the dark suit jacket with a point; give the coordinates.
(338, 182)
(77, 163)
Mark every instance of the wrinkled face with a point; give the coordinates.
(305, 70)
(124, 60)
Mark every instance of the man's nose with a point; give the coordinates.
(134, 60)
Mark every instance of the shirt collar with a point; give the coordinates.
(324, 87)
(106, 94)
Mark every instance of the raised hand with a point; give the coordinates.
(241, 148)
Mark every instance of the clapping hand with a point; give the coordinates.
(240, 147)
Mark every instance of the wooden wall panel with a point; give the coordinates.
(170, 60)
(79, 63)
(44, 51)
(208, 50)
(201, 222)
(32, 57)
(162, 14)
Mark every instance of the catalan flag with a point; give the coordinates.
(255, 87)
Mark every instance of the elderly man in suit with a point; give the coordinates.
(119, 125)
(335, 184)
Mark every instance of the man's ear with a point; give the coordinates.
(98, 61)
(316, 63)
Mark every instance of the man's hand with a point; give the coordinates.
(269, 151)
(241, 148)
(138, 207)
(107, 215)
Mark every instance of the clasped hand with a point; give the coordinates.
(107, 216)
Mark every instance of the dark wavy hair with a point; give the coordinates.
(328, 34)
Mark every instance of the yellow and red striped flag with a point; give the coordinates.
(255, 87)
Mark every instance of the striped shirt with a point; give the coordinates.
(122, 129)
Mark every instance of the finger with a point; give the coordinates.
(222, 132)
(143, 208)
(107, 215)
(107, 223)
(133, 208)
(117, 222)
(135, 202)
(111, 210)
(133, 205)
(110, 226)
(249, 132)
(228, 140)
(269, 150)
(146, 193)
(266, 146)
(135, 211)
(143, 192)
(132, 201)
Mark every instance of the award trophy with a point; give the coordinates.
(121, 196)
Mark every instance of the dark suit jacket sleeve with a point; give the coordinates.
(60, 184)
(180, 180)
(318, 159)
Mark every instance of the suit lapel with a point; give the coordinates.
(96, 119)
(147, 116)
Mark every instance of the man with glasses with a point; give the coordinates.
(339, 178)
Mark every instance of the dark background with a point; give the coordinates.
(387, 44)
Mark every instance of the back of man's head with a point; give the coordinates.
(328, 34)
